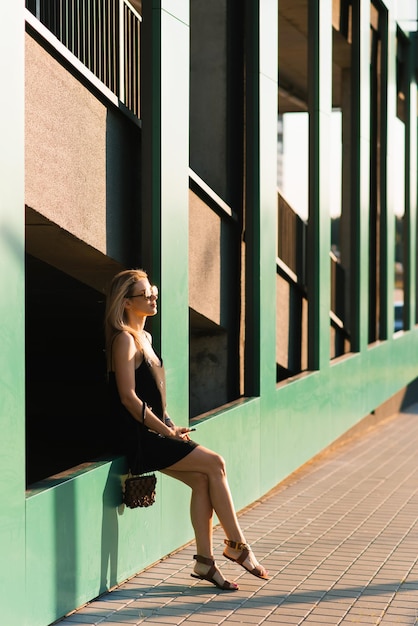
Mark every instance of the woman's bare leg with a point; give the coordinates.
(201, 510)
(201, 513)
(212, 465)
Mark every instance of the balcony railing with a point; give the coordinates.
(104, 35)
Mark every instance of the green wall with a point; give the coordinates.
(81, 540)
(12, 372)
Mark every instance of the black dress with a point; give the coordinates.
(146, 450)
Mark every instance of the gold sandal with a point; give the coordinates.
(258, 571)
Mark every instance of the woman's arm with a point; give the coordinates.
(124, 353)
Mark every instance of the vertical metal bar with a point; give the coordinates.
(88, 34)
(115, 59)
(83, 32)
(121, 51)
(128, 57)
(65, 33)
(94, 40)
(105, 54)
(129, 54)
(101, 40)
(104, 35)
(138, 69)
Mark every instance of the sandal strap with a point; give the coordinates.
(212, 571)
(236, 545)
(203, 559)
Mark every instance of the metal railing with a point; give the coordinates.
(104, 35)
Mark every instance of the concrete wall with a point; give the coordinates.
(82, 161)
(65, 148)
(205, 260)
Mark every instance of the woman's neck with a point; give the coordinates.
(136, 323)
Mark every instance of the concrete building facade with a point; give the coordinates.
(145, 134)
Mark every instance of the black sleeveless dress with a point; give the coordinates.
(146, 450)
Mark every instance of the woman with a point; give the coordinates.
(136, 377)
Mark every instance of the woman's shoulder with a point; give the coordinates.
(123, 341)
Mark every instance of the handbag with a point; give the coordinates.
(139, 489)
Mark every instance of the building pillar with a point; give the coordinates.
(12, 306)
(319, 227)
(165, 183)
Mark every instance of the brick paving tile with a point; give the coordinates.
(282, 620)
(411, 612)
(286, 609)
(390, 621)
(311, 619)
(408, 620)
(125, 619)
(233, 619)
(325, 619)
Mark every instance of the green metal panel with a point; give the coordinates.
(361, 163)
(391, 169)
(267, 122)
(166, 180)
(252, 199)
(12, 371)
(319, 229)
(267, 90)
(411, 187)
(174, 241)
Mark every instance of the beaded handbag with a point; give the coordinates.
(140, 490)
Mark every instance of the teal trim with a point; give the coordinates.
(12, 355)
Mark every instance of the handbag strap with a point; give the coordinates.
(139, 446)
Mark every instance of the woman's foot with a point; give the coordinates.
(205, 569)
(242, 554)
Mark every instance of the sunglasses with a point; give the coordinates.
(152, 293)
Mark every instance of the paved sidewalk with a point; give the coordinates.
(339, 536)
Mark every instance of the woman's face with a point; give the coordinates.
(143, 298)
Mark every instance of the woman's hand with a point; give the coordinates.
(181, 433)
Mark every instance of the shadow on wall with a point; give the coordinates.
(123, 189)
(410, 396)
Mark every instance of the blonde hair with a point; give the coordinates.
(116, 320)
